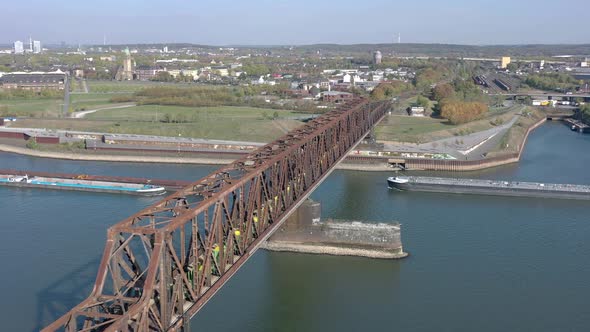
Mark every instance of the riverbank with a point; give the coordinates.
(113, 158)
(496, 160)
(368, 164)
(145, 158)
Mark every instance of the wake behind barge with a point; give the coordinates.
(489, 187)
(81, 185)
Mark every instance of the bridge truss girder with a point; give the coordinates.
(161, 265)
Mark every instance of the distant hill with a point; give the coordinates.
(461, 50)
(404, 49)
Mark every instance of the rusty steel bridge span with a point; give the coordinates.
(161, 265)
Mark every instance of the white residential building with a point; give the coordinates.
(19, 47)
(37, 46)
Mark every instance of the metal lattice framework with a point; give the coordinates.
(161, 265)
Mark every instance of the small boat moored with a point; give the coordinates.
(397, 182)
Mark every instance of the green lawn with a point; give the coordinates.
(120, 86)
(421, 130)
(408, 129)
(193, 114)
(88, 101)
(32, 107)
(232, 123)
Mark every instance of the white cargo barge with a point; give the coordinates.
(80, 185)
(489, 187)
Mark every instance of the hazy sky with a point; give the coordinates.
(292, 22)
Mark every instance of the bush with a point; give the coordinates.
(462, 112)
(497, 122)
(32, 144)
(122, 99)
(389, 90)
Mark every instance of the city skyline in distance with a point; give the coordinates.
(264, 22)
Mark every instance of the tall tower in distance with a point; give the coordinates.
(377, 57)
(30, 44)
(128, 68)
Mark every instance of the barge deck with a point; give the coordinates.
(80, 185)
(490, 187)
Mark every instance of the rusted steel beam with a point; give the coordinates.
(173, 256)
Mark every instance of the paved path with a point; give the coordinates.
(466, 147)
(66, 106)
(84, 86)
(79, 115)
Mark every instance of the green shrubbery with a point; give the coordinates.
(556, 81)
(208, 96)
(32, 144)
(29, 94)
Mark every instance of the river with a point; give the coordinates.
(477, 262)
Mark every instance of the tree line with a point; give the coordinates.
(8, 94)
(211, 96)
(460, 101)
(553, 81)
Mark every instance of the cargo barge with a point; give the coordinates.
(489, 187)
(80, 185)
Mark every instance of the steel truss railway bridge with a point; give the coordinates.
(161, 265)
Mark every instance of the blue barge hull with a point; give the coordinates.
(81, 185)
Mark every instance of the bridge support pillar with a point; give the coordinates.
(305, 232)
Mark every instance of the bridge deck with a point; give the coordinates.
(161, 265)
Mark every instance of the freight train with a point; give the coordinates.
(502, 84)
(481, 80)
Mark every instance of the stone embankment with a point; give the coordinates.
(304, 232)
(353, 162)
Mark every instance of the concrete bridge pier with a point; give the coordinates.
(305, 232)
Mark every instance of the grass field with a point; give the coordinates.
(232, 123)
(193, 114)
(32, 107)
(514, 137)
(86, 101)
(421, 130)
(121, 86)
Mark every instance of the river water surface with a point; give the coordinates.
(477, 262)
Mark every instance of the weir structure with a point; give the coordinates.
(161, 265)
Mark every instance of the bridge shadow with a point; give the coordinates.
(65, 293)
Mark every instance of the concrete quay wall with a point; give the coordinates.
(304, 232)
(470, 165)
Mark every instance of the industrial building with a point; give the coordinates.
(146, 73)
(336, 96)
(33, 81)
(504, 62)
